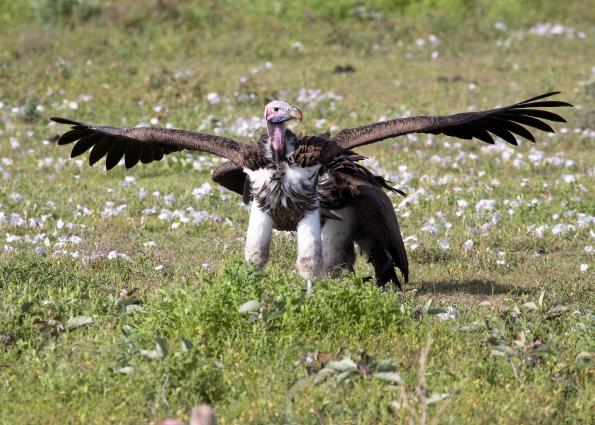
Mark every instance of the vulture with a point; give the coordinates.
(313, 185)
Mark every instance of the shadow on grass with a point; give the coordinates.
(471, 287)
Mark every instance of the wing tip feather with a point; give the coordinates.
(61, 120)
(555, 103)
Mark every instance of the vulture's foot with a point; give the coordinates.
(338, 270)
(310, 267)
(257, 258)
(309, 286)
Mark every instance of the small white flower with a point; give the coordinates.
(584, 220)
(561, 229)
(165, 215)
(583, 267)
(461, 203)
(159, 267)
(213, 98)
(537, 231)
(485, 204)
(410, 240)
(320, 123)
(430, 226)
(450, 314)
(169, 199)
(129, 181)
(444, 245)
(73, 105)
(114, 255)
(203, 190)
(468, 245)
(17, 197)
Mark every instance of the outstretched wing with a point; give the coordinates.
(142, 144)
(502, 122)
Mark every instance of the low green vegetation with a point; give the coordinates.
(124, 297)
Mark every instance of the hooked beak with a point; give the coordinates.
(295, 113)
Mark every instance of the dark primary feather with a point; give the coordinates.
(379, 235)
(502, 122)
(142, 144)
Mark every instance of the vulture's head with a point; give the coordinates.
(275, 114)
(278, 111)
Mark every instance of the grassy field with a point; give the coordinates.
(124, 297)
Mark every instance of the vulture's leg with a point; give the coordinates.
(337, 243)
(309, 250)
(258, 239)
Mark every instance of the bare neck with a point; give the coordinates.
(276, 131)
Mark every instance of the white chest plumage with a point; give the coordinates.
(290, 176)
(285, 192)
(285, 198)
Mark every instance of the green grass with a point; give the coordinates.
(519, 348)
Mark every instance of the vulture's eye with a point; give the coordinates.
(276, 109)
